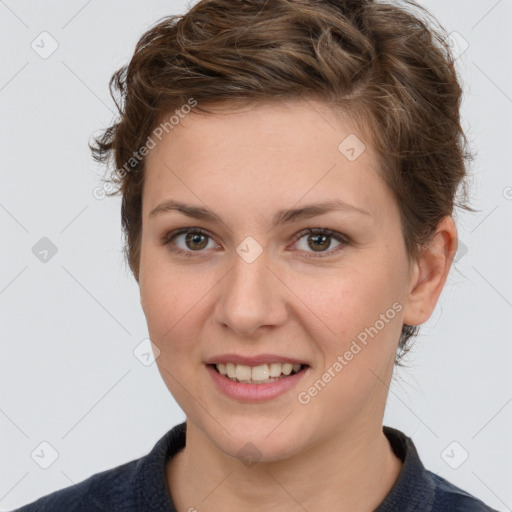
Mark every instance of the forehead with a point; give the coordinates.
(263, 155)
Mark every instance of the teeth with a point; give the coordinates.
(231, 370)
(260, 373)
(243, 372)
(275, 369)
(287, 368)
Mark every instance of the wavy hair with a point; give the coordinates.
(388, 67)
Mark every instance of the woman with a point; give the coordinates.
(288, 172)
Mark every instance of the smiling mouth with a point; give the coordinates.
(261, 374)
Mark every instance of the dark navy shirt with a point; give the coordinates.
(141, 485)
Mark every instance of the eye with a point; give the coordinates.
(195, 240)
(317, 239)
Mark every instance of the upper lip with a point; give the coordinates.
(253, 360)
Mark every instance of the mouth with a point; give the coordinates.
(260, 374)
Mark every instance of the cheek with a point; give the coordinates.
(166, 291)
(361, 306)
(175, 302)
(166, 301)
(358, 347)
(171, 309)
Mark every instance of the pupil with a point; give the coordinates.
(319, 240)
(195, 239)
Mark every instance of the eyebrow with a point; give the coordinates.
(281, 217)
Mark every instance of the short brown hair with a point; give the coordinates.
(380, 64)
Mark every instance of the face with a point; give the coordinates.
(247, 286)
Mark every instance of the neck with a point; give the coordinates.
(354, 469)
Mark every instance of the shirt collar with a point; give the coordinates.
(413, 488)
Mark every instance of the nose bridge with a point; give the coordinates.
(250, 293)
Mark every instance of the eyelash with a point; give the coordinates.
(343, 239)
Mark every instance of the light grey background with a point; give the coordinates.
(68, 374)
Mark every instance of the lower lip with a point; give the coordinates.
(255, 392)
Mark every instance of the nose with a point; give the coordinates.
(252, 298)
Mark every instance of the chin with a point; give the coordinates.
(261, 442)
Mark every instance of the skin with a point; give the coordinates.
(328, 454)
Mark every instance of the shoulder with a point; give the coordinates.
(451, 498)
(139, 484)
(418, 489)
(106, 490)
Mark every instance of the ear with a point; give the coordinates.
(429, 273)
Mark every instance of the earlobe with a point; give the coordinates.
(430, 273)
